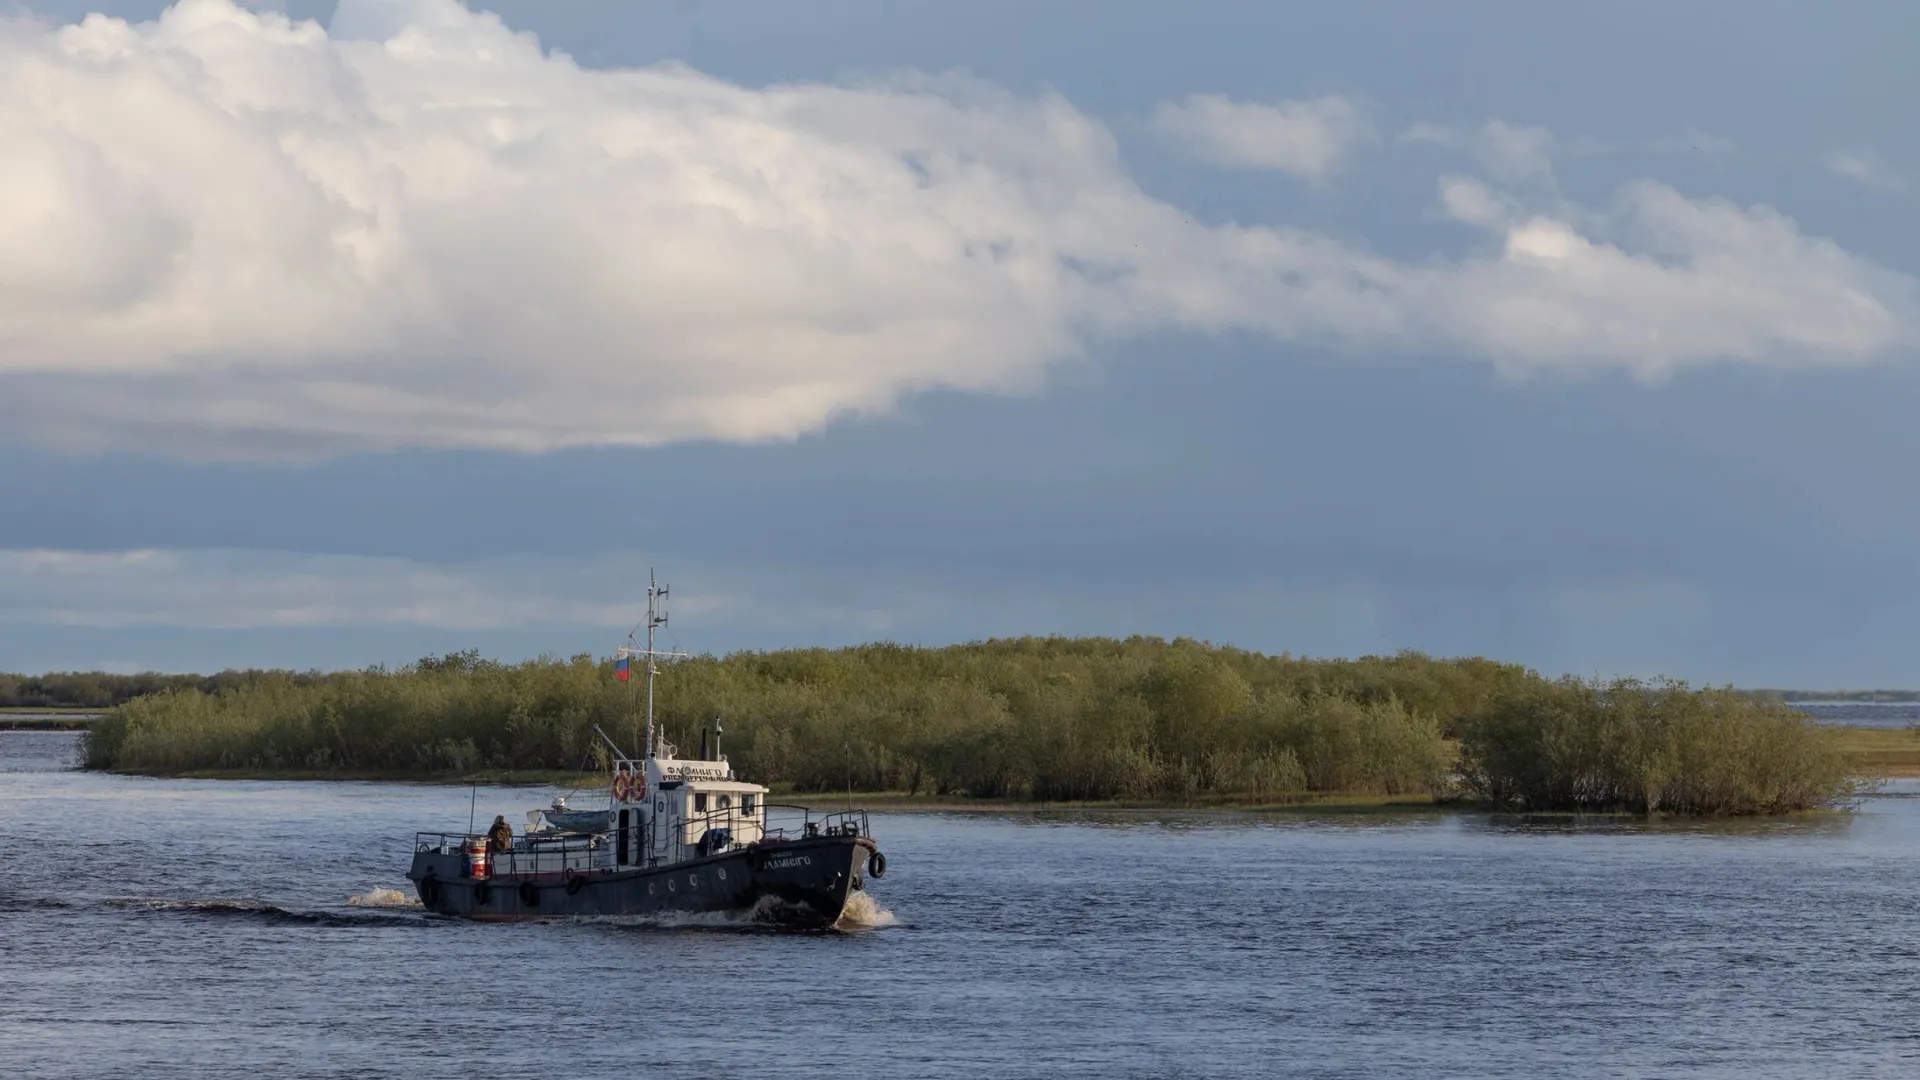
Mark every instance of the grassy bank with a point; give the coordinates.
(1140, 721)
(1883, 751)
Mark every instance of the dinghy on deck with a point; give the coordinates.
(563, 818)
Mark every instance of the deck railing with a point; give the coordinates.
(664, 841)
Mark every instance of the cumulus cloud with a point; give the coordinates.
(1306, 138)
(1658, 281)
(232, 233)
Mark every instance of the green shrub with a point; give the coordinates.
(1650, 747)
(1047, 718)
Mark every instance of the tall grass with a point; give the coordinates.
(1650, 747)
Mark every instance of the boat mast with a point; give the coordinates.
(656, 618)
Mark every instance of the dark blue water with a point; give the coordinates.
(1869, 714)
(209, 929)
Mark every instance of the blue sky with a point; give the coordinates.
(1580, 338)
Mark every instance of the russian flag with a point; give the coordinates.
(620, 670)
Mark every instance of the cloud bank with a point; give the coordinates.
(232, 234)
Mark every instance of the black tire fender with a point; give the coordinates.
(576, 882)
(877, 864)
(429, 890)
(529, 894)
(482, 892)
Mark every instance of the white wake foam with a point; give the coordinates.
(863, 912)
(768, 913)
(377, 897)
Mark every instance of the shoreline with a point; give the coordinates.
(46, 721)
(1316, 804)
(1319, 804)
(1889, 753)
(1882, 753)
(827, 802)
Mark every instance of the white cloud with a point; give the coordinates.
(1306, 138)
(1660, 281)
(1866, 167)
(1473, 202)
(229, 233)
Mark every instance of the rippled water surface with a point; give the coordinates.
(205, 928)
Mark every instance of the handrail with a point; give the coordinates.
(663, 841)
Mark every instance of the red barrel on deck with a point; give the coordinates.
(476, 851)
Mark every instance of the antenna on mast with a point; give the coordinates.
(656, 618)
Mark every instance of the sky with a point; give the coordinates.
(343, 334)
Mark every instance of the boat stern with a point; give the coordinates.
(437, 864)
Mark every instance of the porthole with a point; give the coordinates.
(672, 885)
(722, 872)
(693, 881)
(649, 888)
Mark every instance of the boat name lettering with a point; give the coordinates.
(694, 772)
(785, 861)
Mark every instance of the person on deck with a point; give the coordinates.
(500, 837)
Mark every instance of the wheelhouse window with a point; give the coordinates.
(726, 802)
(699, 802)
(746, 805)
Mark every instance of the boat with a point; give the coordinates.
(679, 835)
(570, 819)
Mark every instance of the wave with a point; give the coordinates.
(383, 898)
(13, 902)
(255, 910)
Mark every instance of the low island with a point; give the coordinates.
(1140, 721)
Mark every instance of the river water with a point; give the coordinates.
(221, 928)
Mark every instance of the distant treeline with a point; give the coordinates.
(1040, 718)
(99, 690)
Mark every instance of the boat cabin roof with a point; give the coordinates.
(724, 786)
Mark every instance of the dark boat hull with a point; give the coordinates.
(802, 883)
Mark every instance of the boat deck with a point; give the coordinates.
(556, 854)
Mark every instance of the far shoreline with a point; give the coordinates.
(828, 801)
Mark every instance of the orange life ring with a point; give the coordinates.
(638, 788)
(620, 787)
